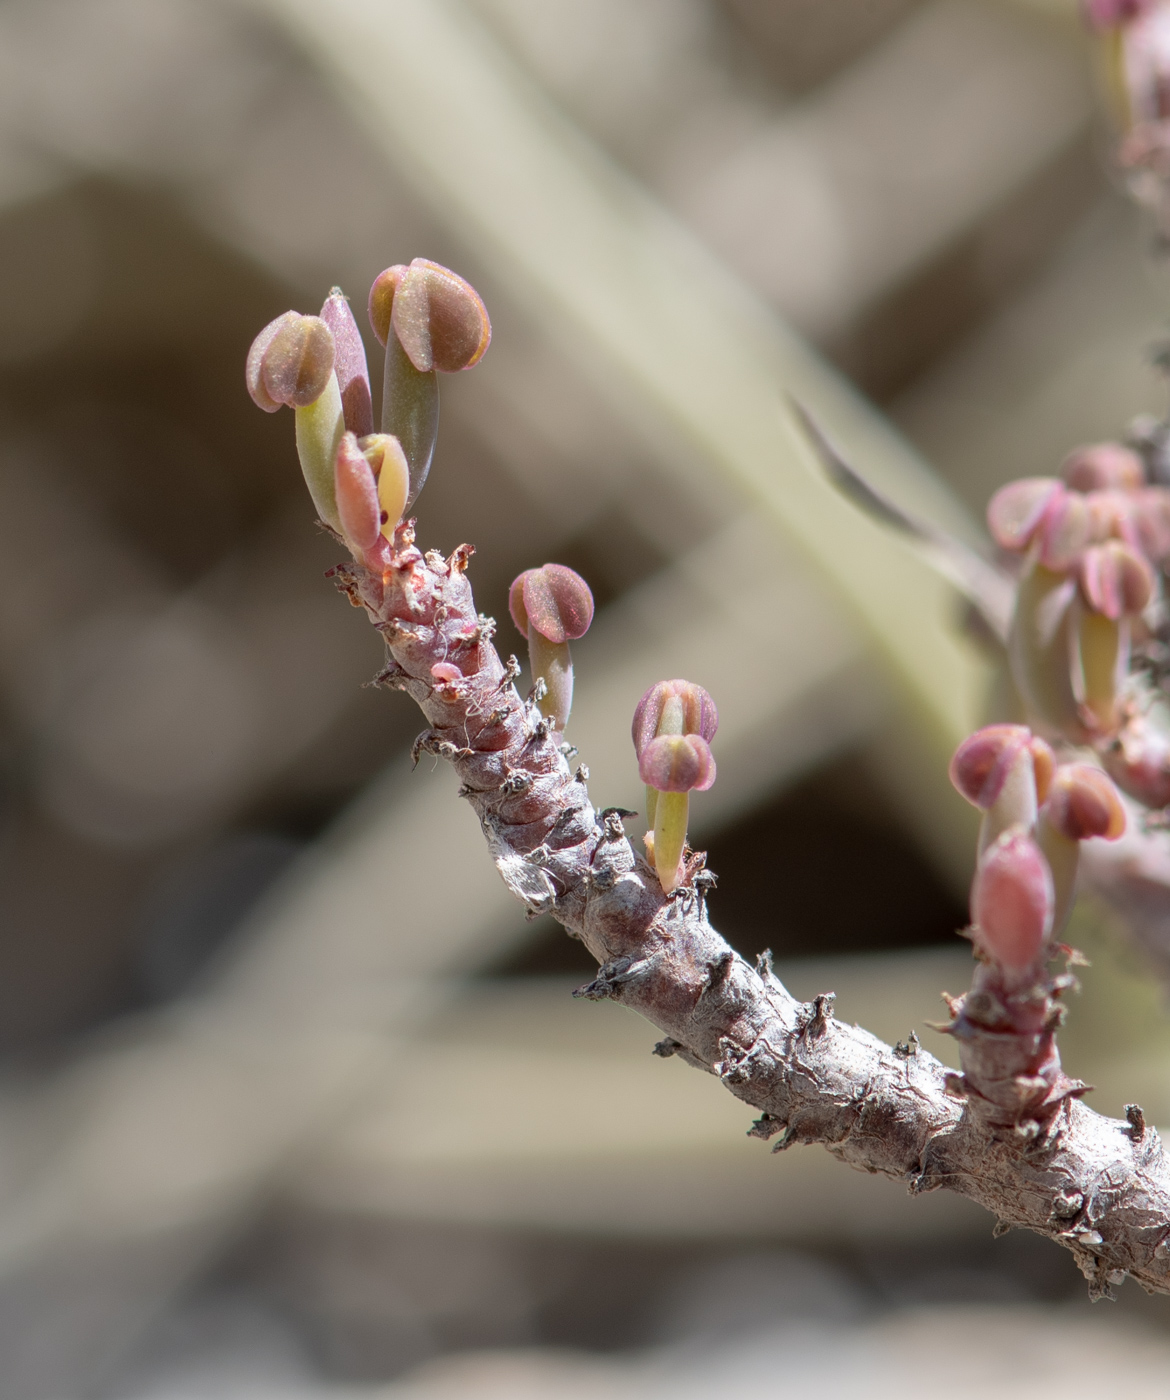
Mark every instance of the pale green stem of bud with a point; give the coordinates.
(410, 411)
(1040, 648)
(1015, 804)
(552, 663)
(320, 427)
(1062, 855)
(1103, 653)
(673, 721)
(671, 812)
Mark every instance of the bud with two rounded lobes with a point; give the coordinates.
(291, 363)
(316, 365)
(1035, 814)
(552, 606)
(1088, 542)
(430, 320)
(674, 724)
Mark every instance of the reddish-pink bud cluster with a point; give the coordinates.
(554, 600)
(438, 317)
(435, 321)
(1015, 897)
(1102, 523)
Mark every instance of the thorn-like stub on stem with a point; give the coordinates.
(290, 362)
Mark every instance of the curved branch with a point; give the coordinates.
(1098, 1186)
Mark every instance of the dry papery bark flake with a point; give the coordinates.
(1098, 1186)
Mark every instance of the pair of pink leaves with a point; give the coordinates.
(681, 760)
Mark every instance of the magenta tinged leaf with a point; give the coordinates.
(353, 377)
(553, 599)
(677, 763)
(1016, 510)
(357, 494)
(1012, 900)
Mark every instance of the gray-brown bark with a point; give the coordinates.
(1009, 1133)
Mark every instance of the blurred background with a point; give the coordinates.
(292, 1100)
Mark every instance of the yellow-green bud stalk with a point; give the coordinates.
(671, 721)
(553, 664)
(674, 765)
(671, 812)
(1040, 648)
(1102, 650)
(320, 427)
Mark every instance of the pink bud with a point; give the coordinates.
(1115, 580)
(1064, 530)
(1012, 900)
(699, 715)
(554, 600)
(982, 763)
(357, 494)
(444, 673)
(353, 378)
(1015, 511)
(677, 763)
(1111, 14)
(1103, 466)
(1083, 803)
(290, 362)
(439, 318)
